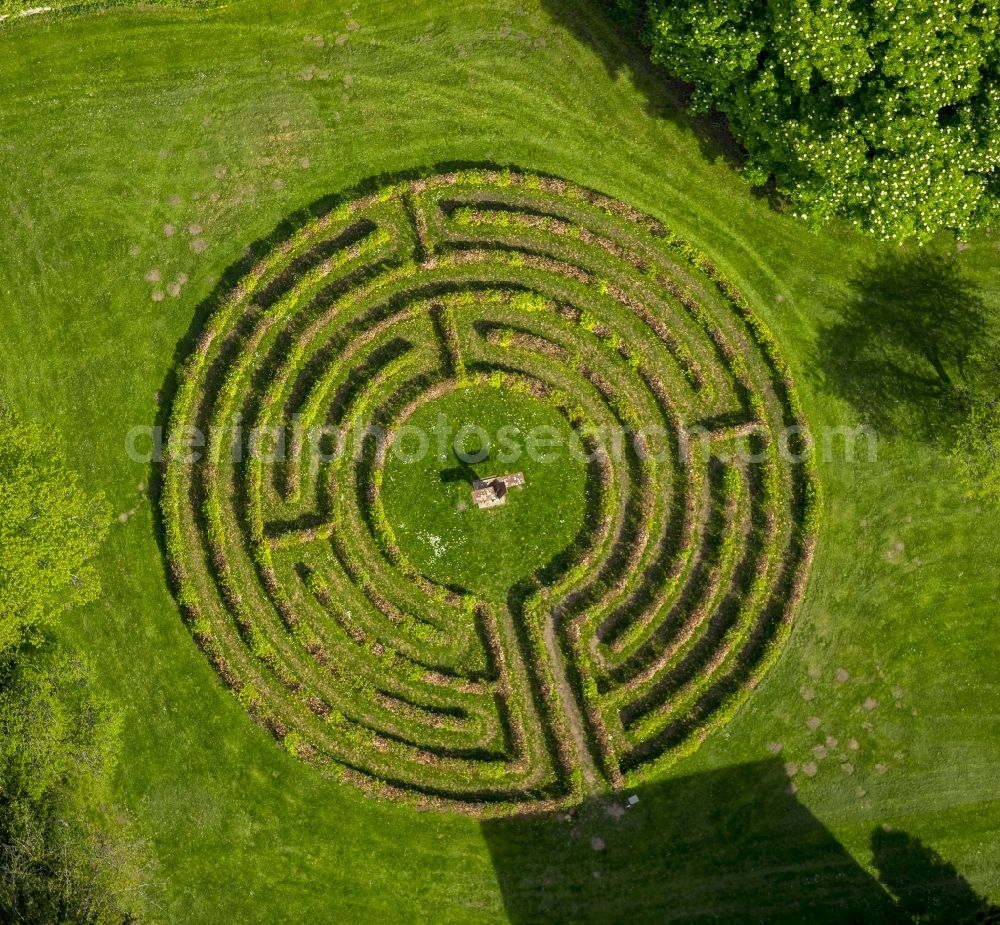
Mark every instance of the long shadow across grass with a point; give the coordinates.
(928, 889)
(731, 846)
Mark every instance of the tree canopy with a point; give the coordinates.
(50, 528)
(65, 854)
(885, 113)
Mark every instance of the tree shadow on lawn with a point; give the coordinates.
(927, 888)
(616, 36)
(732, 846)
(899, 350)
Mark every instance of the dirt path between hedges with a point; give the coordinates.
(571, 710)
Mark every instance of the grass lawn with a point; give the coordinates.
(143, 149)
(427, 495)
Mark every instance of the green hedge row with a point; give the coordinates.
(668, 610)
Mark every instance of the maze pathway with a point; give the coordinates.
(613, 661)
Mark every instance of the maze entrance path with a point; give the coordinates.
(625, 645)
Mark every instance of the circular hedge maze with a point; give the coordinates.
(604, 663)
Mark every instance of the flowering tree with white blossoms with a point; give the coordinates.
(886, 113)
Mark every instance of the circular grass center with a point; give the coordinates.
(472, 434)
